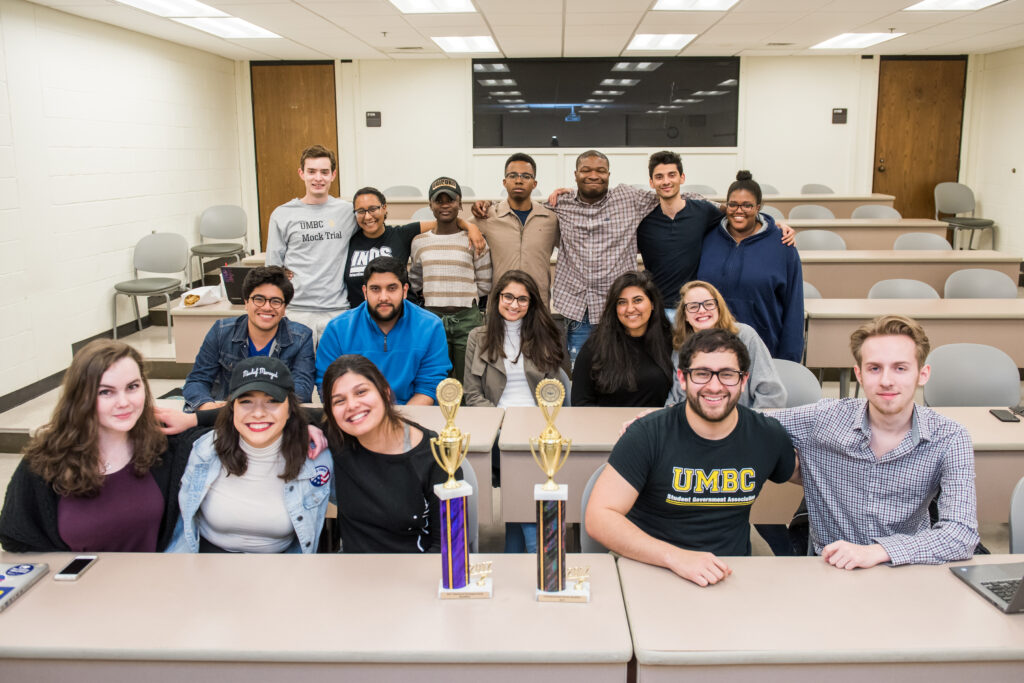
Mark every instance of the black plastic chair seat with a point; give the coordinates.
(218, 249)
(969, 222)
(148, 285)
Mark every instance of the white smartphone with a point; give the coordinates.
(75, 568)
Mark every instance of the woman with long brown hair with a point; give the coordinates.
(100, 475)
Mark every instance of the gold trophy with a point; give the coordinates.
(449, 449)
(550, 451)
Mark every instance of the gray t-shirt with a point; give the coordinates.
(312, 240)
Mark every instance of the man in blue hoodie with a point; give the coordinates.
(405, 341)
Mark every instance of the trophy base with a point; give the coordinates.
(463, 489)
(472, 591)
(582, 594)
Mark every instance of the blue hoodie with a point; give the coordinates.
(761, 280)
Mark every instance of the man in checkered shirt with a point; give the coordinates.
(871, 467)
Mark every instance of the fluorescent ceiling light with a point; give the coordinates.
(433, 6)
(694, 5)
(608, 92)
(518, 111)
(729, 83)
(491, 82)
(660, 41)
(687, 101)
(512, 101)
(227, 27)
(505, 93)
(636, 66)
(490, 68)
(175, 8)
(670, 106)
(620, 81)
(591, 107)
(466, 43)
(853, 41)
(951, 5)
(710, 93)
(599, 101)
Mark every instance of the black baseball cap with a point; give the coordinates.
(444, 185)
(261, 373)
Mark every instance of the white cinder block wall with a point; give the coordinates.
(105, 136)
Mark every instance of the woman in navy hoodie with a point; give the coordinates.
(760, 277)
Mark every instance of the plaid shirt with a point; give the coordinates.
(856, 497)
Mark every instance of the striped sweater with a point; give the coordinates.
(447, 272)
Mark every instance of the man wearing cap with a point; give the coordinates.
(262, 331)
(448, 273)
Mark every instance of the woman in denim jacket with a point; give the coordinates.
(249, 486)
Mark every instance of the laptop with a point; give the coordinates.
(1000, 584)
(15, 579)
(233, 277)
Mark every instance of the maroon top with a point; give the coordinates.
(124, 517)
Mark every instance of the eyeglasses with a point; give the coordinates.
(745, 207)
(695, 306)
(726, 376)
(508, 298)
(260, 301)
(369, 209)
(516, 176)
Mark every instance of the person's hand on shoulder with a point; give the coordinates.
(846, 555)
(553, 197)
(317, 441)
(476, 238)
(625, 425)
(174, 421)
(703, 569)
(480, 207)
(788, 235)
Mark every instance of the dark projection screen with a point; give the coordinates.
(608, 102)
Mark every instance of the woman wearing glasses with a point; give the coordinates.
(374, 238)
(759, 277)
(626, 361)
(701, 307)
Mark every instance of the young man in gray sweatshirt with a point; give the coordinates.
(309, 237)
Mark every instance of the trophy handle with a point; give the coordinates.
(536, 442)
(465, 450)
(433, 451)
(565, 456)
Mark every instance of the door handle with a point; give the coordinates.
(881, 169)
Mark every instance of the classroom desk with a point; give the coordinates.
(798, 619)
(842, 205)
(594, 432)
(996, 322)
(257, 259)
(871, 233)
(482, 424)
(850, 274)
(192, 324)
(249, 618)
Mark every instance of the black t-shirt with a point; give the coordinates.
(653, 381)
(671, 246)
(696, 493)
(396, 241)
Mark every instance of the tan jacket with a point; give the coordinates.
(485, 380)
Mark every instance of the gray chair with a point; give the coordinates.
(773, 212)
(980, 283)
(815, 211)
(705, 190)
(921, 240)
(1017, 518)
(900, 288)
(971, 375)
(816, 188)
(635, 186)
(472, 520)
(221, 222)
(422, 214)
(816, 240)
(802, 387)
(403, 191)
(768, 189)
(467, 191)
(875, 211)
(159, 252)
(954, 199)
(811, 292)
(588, 544)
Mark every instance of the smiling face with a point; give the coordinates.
(633, 309)
(265, 317)
(121, 397)
(890, 374)
(741, 210)
(356, 405)
(446, 207)
(592, 178)
(702, 318)
(509, 307)
(666, 179)
(713, 401)
(370, 214)
(317, 175)
(259, 418)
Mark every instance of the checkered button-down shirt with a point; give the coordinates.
(856, 497)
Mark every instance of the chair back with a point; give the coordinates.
(816, 211)
(900, 288)
(637, 186)
(817, 240)
(1017, 518)
(472, 517)
(875, 211)
(223, 222)
(971, 375)
(816, 188)
(921, 240)
(422, 214)
(403, 191)
(811, 292)
(980, 283)
(768, 189)
(467, 191)
(773, 212)
(953, 198)
(161, 252)
(705, 190)
(802, 387)
(588, 544)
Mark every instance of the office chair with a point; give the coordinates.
(159, 252)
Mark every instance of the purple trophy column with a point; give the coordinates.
(454, 548)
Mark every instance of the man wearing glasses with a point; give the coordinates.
(680, 482)
(262, 331)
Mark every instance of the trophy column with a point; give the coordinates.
(550, 537)
(454, 546)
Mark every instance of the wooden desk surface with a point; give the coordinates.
(591, 429)
(923, 309)
(799, 611)
(871, 233)
(964, 258)
(310, 611)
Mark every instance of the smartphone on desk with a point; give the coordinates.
(1004, 415)
(75, 568)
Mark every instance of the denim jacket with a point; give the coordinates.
(227, 342)
(305, 497)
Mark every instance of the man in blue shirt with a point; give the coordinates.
(262, 331)
(406, 342)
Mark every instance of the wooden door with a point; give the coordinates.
(293, 107)
(917, 136)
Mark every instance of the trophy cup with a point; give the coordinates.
(449, 449)
(550, 452)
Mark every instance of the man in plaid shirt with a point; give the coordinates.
(871, 467)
